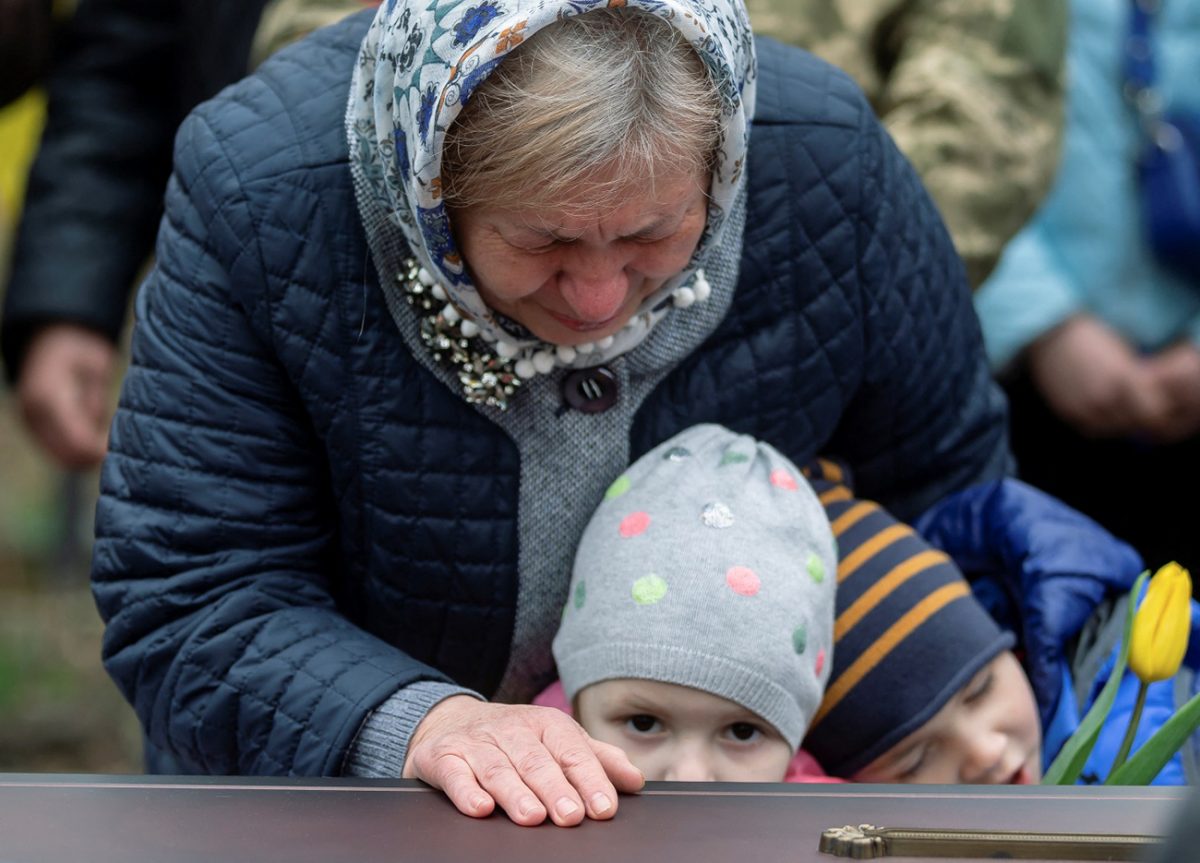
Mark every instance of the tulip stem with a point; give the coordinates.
(1135, 720)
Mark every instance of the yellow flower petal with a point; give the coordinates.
(1162, 625)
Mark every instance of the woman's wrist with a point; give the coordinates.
(380, 748)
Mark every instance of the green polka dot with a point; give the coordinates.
(580, 594)
(733, 458)
(816, 569)
(649, 589)
(619, 487)
(799, 639)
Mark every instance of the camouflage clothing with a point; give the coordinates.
(970, 89)
(285, 21)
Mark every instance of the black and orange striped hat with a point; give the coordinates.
(907, 636)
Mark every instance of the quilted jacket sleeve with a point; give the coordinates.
(95, 189)
(215, 533)
(926, 418)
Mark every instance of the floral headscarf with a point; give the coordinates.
(421, 60)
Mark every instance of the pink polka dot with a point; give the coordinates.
(820, 664)
(782, 479)
(634, 524)
(743, 580)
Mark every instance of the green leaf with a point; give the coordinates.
(1154, 754)
(1069, 762)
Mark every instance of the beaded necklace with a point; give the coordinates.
(490, 369)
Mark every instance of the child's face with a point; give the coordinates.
(988, 733)
(682, 734)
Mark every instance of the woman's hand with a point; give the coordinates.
(532, 761)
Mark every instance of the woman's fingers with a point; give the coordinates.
(580, 765)
(458, 783)
(624, 776)
(530, 785)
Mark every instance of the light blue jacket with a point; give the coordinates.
(1084, 250)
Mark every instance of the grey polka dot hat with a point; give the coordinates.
(710, 564)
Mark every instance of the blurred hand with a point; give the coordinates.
(1091, 378)
(63, 393)
(529, 760)
(1176, 373)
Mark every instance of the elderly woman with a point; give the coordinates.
(419, 298)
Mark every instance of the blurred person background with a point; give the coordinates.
(1096, 339)
(57, 711)
(91, 93)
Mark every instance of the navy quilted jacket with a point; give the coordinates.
(297, 518)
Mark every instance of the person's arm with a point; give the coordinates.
(216, 542)
(973, 95)
(92, 204)
(925, 418)
(217, 553)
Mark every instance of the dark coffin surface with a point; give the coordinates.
(66, 819)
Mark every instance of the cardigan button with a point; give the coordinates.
(591, 391)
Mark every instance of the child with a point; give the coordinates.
(925, 686)
(698, 631)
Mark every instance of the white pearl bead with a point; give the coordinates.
(566, 353)
(424, 277)
(684, 297)
(439, 293)
(470, 329)
(701, 287)
(543, 361)
(585, 348)
(605, 343)
(524, 369)
(450, 314)
(506, 349)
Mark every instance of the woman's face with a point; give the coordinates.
(572, 279)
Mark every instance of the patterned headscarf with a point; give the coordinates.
(422, 59)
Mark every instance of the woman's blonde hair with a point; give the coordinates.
(607, 100)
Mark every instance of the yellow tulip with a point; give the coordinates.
(1162, 625)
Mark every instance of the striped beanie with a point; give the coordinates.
(709, 564)
(908, 634)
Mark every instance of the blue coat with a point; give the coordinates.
(297, 519)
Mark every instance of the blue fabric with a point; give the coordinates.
(1085, 249)
(1160, 706)
(1040, 568)
(1163, 699)
(297, 519)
